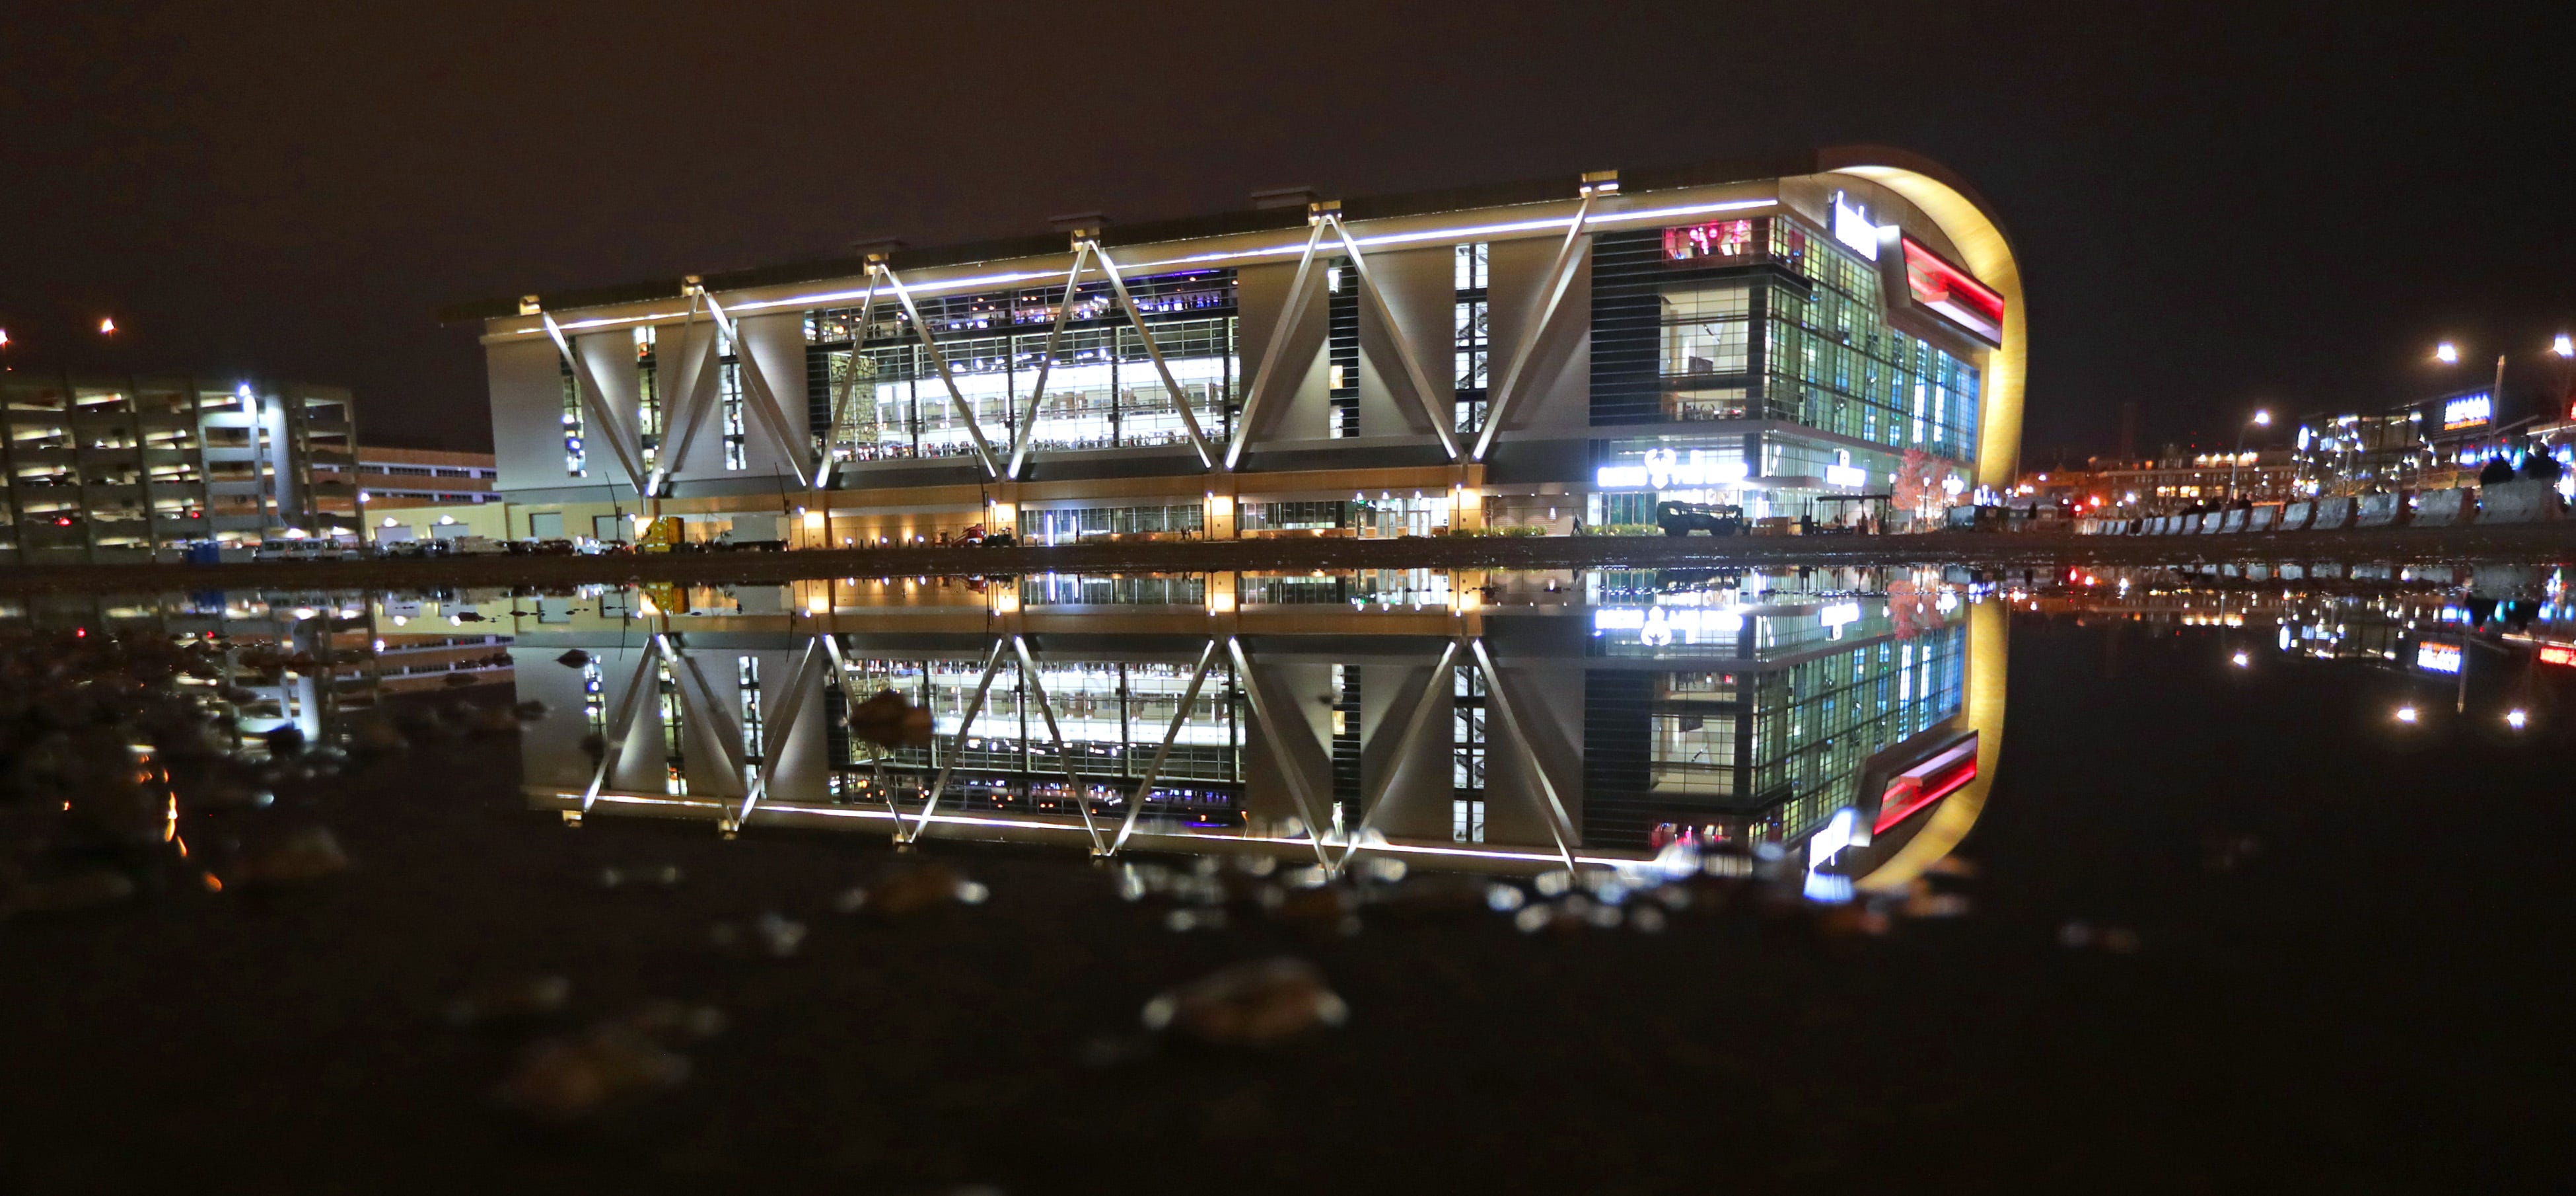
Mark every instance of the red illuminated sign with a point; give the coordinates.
(2560, 654)
(1938, 284)
(1927, 783)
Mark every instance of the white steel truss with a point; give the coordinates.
(822, 663)
(1272, 724)
(930, 800)
(1559, 826)
(1046, 362)
(1172, 733)
(684, 410)
(1063, 754)
(828, 465)
(1136, 318)
(594, 402)
(1266, 382)
(1417, 718)
(947, 378)
(758, 396)
(1441, 421)
(1543, 308)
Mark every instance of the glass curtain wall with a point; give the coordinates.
(1101, 392)
(1767, 318)
(1113, 715)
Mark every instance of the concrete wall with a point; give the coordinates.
(1557, 395)
(1420, 289)
(527, 416)
(1299, 408)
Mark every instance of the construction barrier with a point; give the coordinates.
(2294, 517)
(2333, 514)
(2522, 502)
(2380, 510)
(2447, 508)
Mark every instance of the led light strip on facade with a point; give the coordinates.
(1189, 261)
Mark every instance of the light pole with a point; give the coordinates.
(2262, 419)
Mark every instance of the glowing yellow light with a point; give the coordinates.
(107, 326)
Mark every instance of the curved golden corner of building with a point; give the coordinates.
(1989, 651)
(1969, 223)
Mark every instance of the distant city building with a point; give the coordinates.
(2429, 444)
(392, 478)
(1816, 335)
(105, 469)
(2118, 489)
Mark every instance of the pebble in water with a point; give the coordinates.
(568, 1079)
(80, 890)
(514, 999)
(922, 887)
(307, 855)
(1249, 1004)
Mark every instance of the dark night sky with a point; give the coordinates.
(2215, 205)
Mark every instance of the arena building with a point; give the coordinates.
(1817, 335)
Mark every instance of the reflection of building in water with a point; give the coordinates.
(1537, 715)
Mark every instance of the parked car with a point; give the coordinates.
(1683, 518)
(299, 550)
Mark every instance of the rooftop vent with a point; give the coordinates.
(1282, 197)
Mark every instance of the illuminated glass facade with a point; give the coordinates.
(1102, 390)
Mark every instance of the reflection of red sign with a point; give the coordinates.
(1927, 783)
(1953, 292)
(2558, 654)
(1723, 238)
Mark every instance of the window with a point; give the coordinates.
(1102, 389)
(1342, 349)
(675, 764)
(747, 686)
(1471, 335)
(575, 462)
(648, 391)
(1467, 754)
(731, 382)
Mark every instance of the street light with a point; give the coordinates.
(2516, 719)
(2406, 714)
(2447, 353)
(2262, 419)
